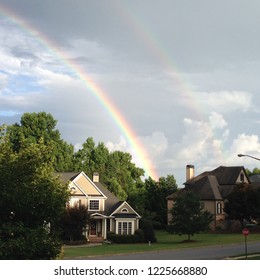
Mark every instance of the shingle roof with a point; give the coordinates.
(255, 178)
(206, 188)
(226, 190)
(227, 175)
(216, 184)
(112, 202)
(67, 176)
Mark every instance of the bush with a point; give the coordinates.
(140, 233)
(18, 242)
(148, 230)
(73, 222)
(123, 239)
(138, 237)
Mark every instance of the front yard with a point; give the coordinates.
(166, 241)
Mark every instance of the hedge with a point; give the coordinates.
(126, 239)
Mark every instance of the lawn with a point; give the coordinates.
(166, 241)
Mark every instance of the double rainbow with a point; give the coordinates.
(93, 88)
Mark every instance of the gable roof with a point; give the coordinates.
(112, 203)
(66, 177)
(216, 184)
(118, 214)
(227, 175)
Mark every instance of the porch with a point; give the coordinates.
(97, 228)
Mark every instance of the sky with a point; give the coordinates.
(173, 82)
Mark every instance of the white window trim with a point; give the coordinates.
(125, 221)
(93, 199)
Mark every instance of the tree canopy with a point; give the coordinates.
(36, 126)
(243, 204)
(31, 201)
(154, 200)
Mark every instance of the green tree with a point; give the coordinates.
(243, 204)
(31, 202)
(36, 126)
(84, 159)
(116, 170)
(188, 216)
(155, 199)
(255, 171)
(73, 222)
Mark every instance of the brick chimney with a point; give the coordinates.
(95, 177)
(189, 172)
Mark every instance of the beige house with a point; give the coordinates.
(212, 187)
(107, 213)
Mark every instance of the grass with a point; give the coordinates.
(166, 241)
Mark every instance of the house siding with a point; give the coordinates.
(86, 186)
(102, 220)
(213, 188)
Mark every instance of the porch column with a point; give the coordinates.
(104, 228)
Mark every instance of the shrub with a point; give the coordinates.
(140, 233)
(73, 222)
(147, 227)
(123, 239)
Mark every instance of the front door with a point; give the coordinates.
(93, 228)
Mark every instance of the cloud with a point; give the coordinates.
(217, 121)
(246, 144)
(120, 146)
(220, 101)
(226, 101)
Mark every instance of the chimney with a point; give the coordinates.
(189, 172)
(95, 177)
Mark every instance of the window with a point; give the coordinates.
(124, 210)
(94, 205)
(242, 177)
(125, 228)
(219, 208)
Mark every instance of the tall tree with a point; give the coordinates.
(188, 216)
(155, 198)
(31, 200)
(36, 126)
(116, 169)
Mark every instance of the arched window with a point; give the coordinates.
(73, 189)
(219, 208)
(124, 210)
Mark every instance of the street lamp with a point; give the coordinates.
(241, 155)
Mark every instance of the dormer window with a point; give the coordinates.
(242, 177)
(94, 204)
(124, 210)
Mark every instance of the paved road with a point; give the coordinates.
(205, 253)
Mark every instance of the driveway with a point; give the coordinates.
(204, 253)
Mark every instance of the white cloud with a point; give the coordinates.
(220, 101)
(156, 144)
(217, 121)
(246, 144)
(120, 146)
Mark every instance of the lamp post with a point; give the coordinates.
(241, 155)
